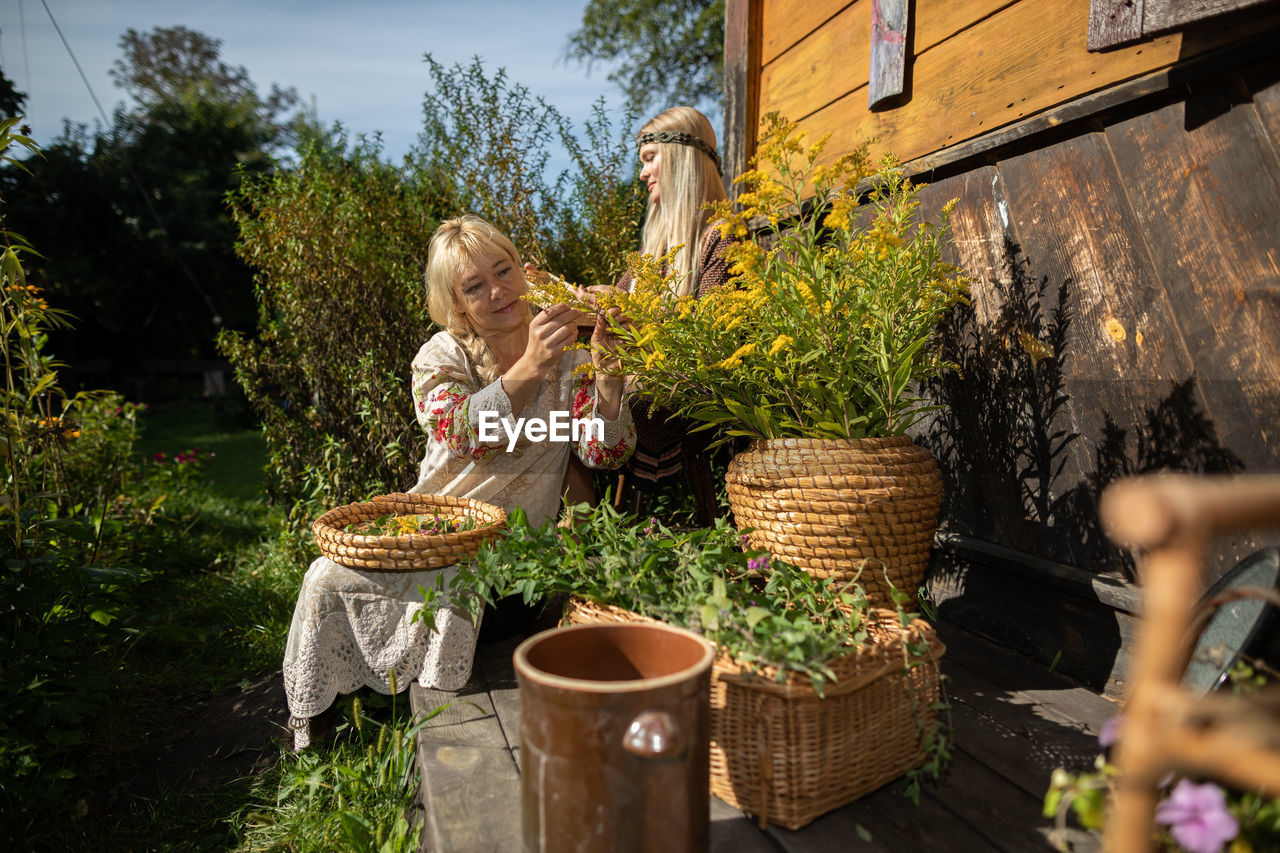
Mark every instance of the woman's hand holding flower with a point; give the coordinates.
(550, 331)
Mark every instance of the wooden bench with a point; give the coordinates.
(1014, 723)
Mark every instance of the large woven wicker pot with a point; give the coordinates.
(841, 508)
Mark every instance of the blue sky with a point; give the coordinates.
(361, 60)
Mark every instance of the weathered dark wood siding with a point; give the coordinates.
(1119, 213)
(1141, 251)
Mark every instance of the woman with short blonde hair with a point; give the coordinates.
(496, 363)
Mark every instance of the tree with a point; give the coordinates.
(11, 100)
(133, 219)
(175, 65)
(670, 51)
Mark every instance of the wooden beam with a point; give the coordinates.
(741, 86)
(1113, 22)
(888, 50)
(1160, 15)
(1118, 22)
(1213, 62)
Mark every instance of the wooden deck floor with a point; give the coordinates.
(1014, 723)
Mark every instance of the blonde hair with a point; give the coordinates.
(459, 247)
(687, 180)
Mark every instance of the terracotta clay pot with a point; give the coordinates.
(614, 739)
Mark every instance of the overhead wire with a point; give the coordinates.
(26, 55)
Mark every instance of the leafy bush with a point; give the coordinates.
(339, 244)
(496, 138)
(60, 612)
(84, 527)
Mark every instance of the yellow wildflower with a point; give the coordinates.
(780, 343)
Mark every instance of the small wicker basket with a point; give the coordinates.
(783, 753)
(413, 552)
(841, 508)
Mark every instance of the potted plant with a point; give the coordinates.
(813, 353)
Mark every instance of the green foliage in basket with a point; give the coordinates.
(765, 613)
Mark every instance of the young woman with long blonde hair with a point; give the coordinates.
(681, 168)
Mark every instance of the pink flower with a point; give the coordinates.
(158, 457)
(758, 564)
(1110, 731)
(1197, 817)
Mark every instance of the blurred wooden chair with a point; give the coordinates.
(1167, 728)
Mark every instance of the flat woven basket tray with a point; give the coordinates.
(412, 552)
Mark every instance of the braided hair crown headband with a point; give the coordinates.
(679, 137)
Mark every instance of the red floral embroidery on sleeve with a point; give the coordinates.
(583, 399)
(444, 412)
(595, 453)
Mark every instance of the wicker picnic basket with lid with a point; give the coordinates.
(783, 753)
(411, 552)
(863, 508)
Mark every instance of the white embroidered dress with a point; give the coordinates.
(350, 627)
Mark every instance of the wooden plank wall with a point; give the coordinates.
(1143, 252)
(973, 66)
(1126, 221)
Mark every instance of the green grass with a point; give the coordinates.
(236, 472)
(223, 578)
(226, 595)
(354, 793)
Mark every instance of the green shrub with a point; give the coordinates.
(353, 795)
(59, 613)
(338, 246)
(496, 139)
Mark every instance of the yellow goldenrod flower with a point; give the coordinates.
(780, 343)
(648, 336)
